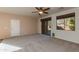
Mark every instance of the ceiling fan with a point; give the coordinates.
(41, 10)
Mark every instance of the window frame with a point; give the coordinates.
(63, 17)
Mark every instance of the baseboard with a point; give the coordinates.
(21, 35)
(66, 40)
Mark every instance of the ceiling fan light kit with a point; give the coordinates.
(41, 10)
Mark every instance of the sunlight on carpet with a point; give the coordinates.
(8, 48)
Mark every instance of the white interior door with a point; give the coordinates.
(15, 27)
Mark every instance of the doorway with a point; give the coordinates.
(46, 26)
(15, 27)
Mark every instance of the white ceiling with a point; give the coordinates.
(28, 10)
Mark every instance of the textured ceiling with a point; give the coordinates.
(27, 11)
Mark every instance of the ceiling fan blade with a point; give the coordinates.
(46, 12)
(34, 12)
(37, 8)
(46, 9)
(41, 8)
(40, 15)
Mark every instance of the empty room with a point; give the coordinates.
(39, 29)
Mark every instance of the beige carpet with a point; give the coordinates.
(37, 43)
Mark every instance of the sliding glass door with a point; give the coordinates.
(46, 26)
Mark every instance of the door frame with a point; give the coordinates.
(43, 27)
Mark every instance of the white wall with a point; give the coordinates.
(27, 26)
(39, 26)
(66, 35)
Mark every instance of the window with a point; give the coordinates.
(70, 23)
(66, 22)
(60, 24)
